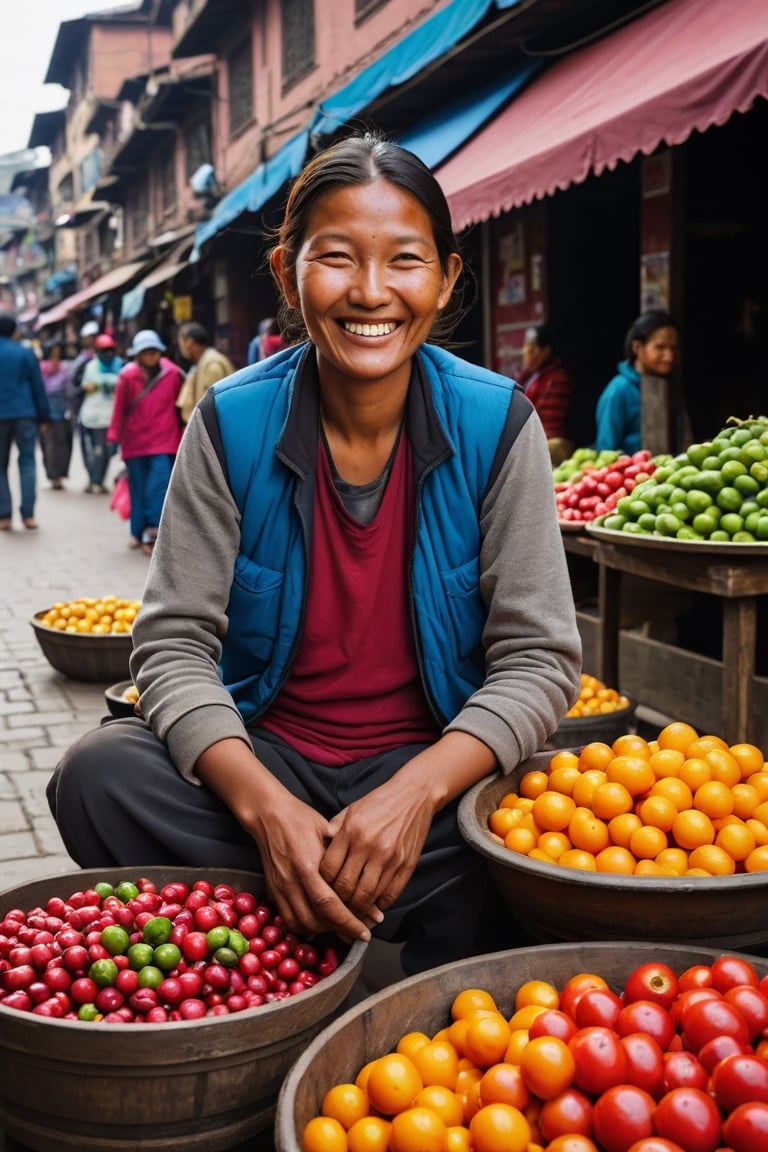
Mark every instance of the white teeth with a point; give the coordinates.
(369, 329)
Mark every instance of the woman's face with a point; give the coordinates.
(149, 358)
(368, 282)
(657, 356)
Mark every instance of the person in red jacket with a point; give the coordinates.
(146, 425)
(549, 388)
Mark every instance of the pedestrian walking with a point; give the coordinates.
(58, 437)
(145, 423)
(24, 411)
(98, 401)
(207, 366)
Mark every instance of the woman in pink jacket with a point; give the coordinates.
(145, 423)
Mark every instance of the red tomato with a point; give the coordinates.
(697, 976)
(622, 1115)
(600, 1060)
(691, 996)
(645, 1063)
(552, 1022)
(597, 1006)
(706, 1019)
(750, 1003)
(575, 986)
(746, 1129)
(738, 1079)
(684, 1070)
(653, 981)
(717, 1049)
(571, 1111)
(728, 971)
(691, 1117)
(647, 1016)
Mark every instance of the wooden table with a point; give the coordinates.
(737, 578)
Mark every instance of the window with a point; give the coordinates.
(166, 182)
(240, 71)
(366, 8)
(298, 19)
(197, 145)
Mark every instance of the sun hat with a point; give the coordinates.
(104, 341)
(90, 328)
(144, 340)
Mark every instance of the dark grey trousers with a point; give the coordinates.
(119, 801)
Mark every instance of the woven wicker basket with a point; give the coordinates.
(100, 659)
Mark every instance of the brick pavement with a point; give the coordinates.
(80, 549)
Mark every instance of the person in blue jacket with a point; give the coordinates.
(650, 348)
(24, 414)
(358, 604)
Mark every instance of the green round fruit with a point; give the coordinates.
(705, 524)
(226, 956)
(681, 509)
(615, 522)
(103, 972)
(88, 1012)
(698, 501)
(742, 537)
(139, 955)
(166, 957)
(126, 891)
(731, 469)
(150, 976)
(761, 531)
(729, 499)
(115, 939)
(647, 521)
(157, 930)
(697, 453)
(687, 533)
(667, 524)
(731, 523)
(238, 942)
(217, 937)
(746, 485)
(104, 889)
(710, 480)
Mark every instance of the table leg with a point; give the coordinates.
(739, 640)
(609, 617)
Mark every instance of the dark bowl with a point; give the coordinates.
(564, 904)
(116, 701)
(100, 659)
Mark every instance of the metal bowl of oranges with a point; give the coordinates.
(88, 638)
(678, 853)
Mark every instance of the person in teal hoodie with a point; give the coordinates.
(650, 348)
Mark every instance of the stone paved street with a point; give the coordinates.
(80, 549)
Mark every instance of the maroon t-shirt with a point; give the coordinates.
(354, 687)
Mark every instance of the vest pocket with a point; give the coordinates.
(466, 610)
(254, 608)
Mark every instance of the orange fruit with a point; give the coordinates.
(564, 779)
(324, 1134)
(417, 1130)
(456, 1139)
(748, 757)
(694, 772)
(503, 820)
(677, 735)
(525, 1016)
(657, 811)
(724, 767)
(437, 1063)
(610, 799)
(499, 1128)
(673, 860)
(548, 1066)
(596, 754)
(563, 758)
(692, 828)
(533, 784)
(411, 1042)
(587, 832)
(651, 868)
(615, 859)
(443, 1101)
(759, 781)
(620, 829)
(487, 1039)
(737, 840)
(758, 830)
(630, 744)
(714, 798)
(745, 800)
(553, 810)
(521, 840)
(371, 1134)
(471, 1000)
(345, 1103)
(393, 1083)
(539, 992)
(705, 744)
(666, 762)
(553, 844)
(584, 787)
(761, 812)
(674, 789)
(517, 1042)
(634, 772)
(712, 859)
(504, 1084)
(579, 859)
(647, 842)
(757, 861)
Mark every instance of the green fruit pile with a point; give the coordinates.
(715, 491)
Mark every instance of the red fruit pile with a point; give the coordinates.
(598, 490)
(137, 955)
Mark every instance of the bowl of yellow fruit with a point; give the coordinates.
(88, 638)
(600, 713)
(122, 698)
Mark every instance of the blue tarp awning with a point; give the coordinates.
(436, 137)
(255, 190)
(427, 43)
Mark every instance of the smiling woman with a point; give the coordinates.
(397, 623)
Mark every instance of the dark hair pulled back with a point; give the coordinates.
(644, 327)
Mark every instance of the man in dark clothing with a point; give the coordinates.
(24, 412)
